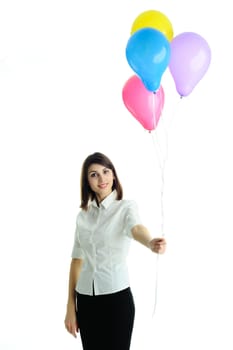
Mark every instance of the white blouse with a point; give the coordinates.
(102, 240)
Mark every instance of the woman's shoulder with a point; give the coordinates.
(127, 203)
(81, 213)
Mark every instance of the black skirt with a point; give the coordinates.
(106, 321)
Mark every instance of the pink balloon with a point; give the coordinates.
(189, 61)
(146, 106)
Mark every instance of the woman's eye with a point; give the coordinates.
(106, 171)
(93, 175)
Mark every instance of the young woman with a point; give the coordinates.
(100, 301)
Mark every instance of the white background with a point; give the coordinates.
(62, 70)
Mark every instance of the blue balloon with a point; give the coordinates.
(148, 53)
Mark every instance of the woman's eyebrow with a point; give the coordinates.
(96, 171)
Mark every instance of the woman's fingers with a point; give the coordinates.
(158, 245)
(71, 328)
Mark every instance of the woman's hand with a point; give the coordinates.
(71, 323)
(158, 245)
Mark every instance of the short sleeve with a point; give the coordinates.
(77, 251)
(132, 217)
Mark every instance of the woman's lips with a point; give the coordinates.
(103, 186)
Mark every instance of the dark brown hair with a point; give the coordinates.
(86, 191)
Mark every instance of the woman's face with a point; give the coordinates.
(100, 180)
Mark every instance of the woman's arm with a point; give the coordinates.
(70, 319)
(75, 268)
(141, 234)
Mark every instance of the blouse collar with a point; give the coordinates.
(107, 201)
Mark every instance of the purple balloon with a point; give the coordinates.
(189, 61)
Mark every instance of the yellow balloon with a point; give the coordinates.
(153, 19)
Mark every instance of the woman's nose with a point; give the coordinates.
(100, 178)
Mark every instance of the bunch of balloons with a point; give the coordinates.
(150, 51)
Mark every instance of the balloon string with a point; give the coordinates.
(156, 284)
(162, 159)
(162, 162)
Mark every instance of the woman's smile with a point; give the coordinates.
(102, 186)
